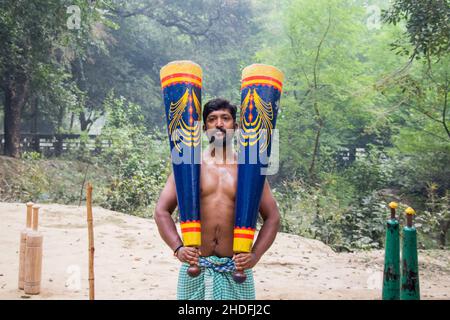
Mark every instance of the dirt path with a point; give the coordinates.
(132, 262)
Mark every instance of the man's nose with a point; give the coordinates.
(220, 123)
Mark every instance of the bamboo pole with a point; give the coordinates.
(91, 241)
(36, 217)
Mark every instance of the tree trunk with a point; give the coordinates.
(34, 123)
(78, 73)
(320, 125)
(312, 172)
(59, 130)
(84, 123)
(72, 119)
(16, 91)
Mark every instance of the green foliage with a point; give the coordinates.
(50, 181)
(31, 155)
(310, 212)
(364, 223)
(333, 212)
(136, 159)
(371, 171)
(39, 51)
(326, 105)
(427, 25)
(34, 183)
(435, 219)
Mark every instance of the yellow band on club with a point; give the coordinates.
(192, 239)
(242, 245)
(244, 231)
(263, 70)
(243, 240)
(185, 225)
(182, 67)
(191, 233)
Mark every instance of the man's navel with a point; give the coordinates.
(216, 236)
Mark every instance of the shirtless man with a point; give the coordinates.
(218, 185)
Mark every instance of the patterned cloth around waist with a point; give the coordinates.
(222, 266)
(215, 281)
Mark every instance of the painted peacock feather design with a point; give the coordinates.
(259, 128)
(179, 130)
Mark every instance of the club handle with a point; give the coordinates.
(35, 217)
(239, 276)
(193, 270)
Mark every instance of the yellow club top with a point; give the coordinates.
(181, 67)
(264, 70)
(30, 204)
(393, 205)
(410, 211)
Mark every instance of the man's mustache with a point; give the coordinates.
(221, 130)
(211, 140)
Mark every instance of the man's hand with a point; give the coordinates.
(245, 260)
(188, 254)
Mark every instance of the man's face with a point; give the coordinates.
(220, 126)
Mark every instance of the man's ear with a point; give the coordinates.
(204, 127)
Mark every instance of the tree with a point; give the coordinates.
(34, 36)
(219, 35)
(427, 26)
(328, 91)
(421, 145)
(26, 43)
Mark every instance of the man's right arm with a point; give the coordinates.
(166, 226)
(163, 214)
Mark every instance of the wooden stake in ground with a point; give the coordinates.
(23, 243)
(91, 241)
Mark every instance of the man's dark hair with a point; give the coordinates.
(218, 104)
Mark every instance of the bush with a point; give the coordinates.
(364, 223)
(31, 155)
(137, 159)
(309, 212)
(344, 208)
(434, 221)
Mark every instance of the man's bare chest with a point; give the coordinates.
(218, 180)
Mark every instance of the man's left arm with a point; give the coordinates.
(271, 217)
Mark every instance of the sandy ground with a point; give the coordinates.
(132, 262)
